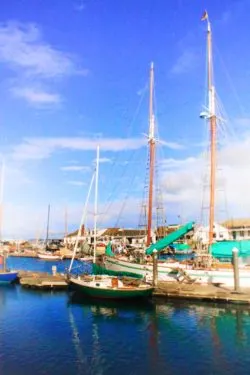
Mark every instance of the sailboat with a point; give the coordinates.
(48, 255)
(217, 274)
(144, 268)
(106, 286)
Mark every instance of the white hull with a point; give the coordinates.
(87, 259)
(48, 256)
(166, 272)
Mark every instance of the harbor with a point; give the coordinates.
(43, 276)
(124, 188)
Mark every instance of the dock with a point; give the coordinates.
(164, 289)
(200, 292)
(42, 281)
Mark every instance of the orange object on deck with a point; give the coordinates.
(114, 282)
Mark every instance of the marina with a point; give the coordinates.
(38, 275)
(124, 188)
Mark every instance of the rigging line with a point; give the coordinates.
(110, 201)
(223, 121)
(134, 118)
(237, 97)
(204, 172)
(125, 200)
(160, 156)
(143, 210)
(142, 96)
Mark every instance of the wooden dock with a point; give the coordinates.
(42, 281)
(200, 292)
(164, 290)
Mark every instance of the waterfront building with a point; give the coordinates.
(239, 229)
(220, 233)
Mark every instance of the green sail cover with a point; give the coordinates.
(224, 249)
(181, 246)
(98, 269)
(168, 240)
(108, 250)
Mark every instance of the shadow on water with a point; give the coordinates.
(109, 305)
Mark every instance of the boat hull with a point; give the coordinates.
(110, 293)
(48, 257)
(8, 277)
(167, 272)
(165, 269)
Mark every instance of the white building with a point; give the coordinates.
(220, 233)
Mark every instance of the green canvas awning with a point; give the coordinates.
(169, 239)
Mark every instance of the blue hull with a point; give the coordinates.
(8, 277)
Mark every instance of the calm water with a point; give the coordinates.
(34, 264)
(55, 333)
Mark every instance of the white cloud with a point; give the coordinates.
(177, 163)
(103, 160)
(76, 183)
(34, 62)
(182, 182)
(32, 95)
(172, 145)
(79, 7)
(22, 46)
(26, 221)
(41, 148)
(185, 62)
(75, 168)
(242, 121)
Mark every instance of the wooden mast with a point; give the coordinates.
(212, 121)
(151, 141)
(96, 200)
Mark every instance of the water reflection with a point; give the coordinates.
(112, 308)
(119, 337)
(210, 330)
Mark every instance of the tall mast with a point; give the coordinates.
(151, 141)
(212, 121)
(96, 199)
(47, 231)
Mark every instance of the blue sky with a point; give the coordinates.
(75, 73)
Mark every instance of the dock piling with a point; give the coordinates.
(54, 270)
(155, 268)
(236, 270)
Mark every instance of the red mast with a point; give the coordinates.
(212, 120)
(151, 141)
